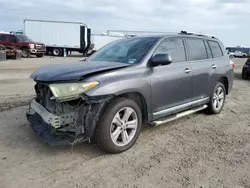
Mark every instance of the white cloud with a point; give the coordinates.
(225, 18)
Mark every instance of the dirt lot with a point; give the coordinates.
(197, 151)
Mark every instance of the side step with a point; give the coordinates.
(179, 115)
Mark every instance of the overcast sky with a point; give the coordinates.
(226, 19)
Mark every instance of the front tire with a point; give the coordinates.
(120, 126)
(217, 100)
(25, 53)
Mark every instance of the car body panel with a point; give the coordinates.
(166, 89)
(72, 72)
(170, 86)
(246, 69)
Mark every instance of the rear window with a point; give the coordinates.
(196, 49)
(216, 49)
(2, 37)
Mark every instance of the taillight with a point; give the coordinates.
(232, 64)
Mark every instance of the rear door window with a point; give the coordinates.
(2, 37)
(209, 53)
(12, 38)
(174, 47)
(216, 49)
(196, 49)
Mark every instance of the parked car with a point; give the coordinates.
(23, 43)
(126, 84)
(246, 70)
(240, 54)
(245, 50)
(231, 55)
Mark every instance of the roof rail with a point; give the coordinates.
(197, 34)
(137, 33)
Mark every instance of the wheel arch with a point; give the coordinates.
(22, 47)
(140, 100)
(224, 81)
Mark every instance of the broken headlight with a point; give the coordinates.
(66, 91)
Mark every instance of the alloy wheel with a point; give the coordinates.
(218, 98)
(24, 53)
(124, 126)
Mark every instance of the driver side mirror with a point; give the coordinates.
(160, 59)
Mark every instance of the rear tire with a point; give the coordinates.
(25, 53)
(244, 76)
(57, 51)
(217, 99)
(116, 133)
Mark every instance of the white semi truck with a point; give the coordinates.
(59, 37)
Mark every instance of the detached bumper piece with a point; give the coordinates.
(51, 135)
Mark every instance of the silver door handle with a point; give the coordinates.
(187, 71)
(214, 66)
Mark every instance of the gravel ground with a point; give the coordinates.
(197, 151)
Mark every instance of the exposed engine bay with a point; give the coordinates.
(64, 122)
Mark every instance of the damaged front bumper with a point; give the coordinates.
(51, 135)
(69, 128)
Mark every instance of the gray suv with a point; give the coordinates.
(129, 83)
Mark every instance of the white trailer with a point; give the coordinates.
(59, 36)
(100, 40)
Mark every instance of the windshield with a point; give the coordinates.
(128, 51)
(24, 38)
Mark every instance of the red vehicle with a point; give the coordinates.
(23, 43)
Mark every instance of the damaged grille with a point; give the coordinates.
(43, 96)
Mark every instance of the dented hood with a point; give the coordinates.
(75, 71)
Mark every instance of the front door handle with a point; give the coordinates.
(187, 70)
(214, 66)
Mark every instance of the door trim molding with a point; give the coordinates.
(182, 106)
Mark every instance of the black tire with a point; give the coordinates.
(57, 52)
(39, 55)
(102, 135)
(244, 76)
(211, 108)
(25, 53)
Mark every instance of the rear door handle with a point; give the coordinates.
(187, 70)
(214, 66)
